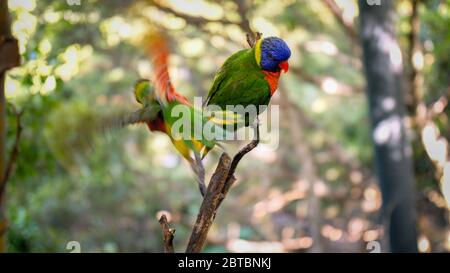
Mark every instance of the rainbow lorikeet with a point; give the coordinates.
(250, 76)
(157, 114)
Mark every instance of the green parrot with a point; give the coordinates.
(250, 76)
(167, 111)
(187, 138)
(187, 132)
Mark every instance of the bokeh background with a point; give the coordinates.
(317, 192)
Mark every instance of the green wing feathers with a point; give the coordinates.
(239, 82)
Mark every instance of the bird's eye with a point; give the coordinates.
(271, 56)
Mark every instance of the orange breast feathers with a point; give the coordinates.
(272, 78)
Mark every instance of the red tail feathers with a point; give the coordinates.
(158, 51)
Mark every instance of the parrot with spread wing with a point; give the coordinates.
(250, 76)
(156, 113)
(164, 117)
(167, 111)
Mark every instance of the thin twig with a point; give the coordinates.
(192, 20)
(199, 170)
(243, 9)
(209, 205)
(168, 234)
(347, 26)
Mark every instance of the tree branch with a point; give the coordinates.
(243, 13)
(168, 234)
(209, 205)
(218, 187)
(9, 58)
(347, 26)
(9, 50)
(200, 22)
(414, 97)
(221, 181)
(197, 21)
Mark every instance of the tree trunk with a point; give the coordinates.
(3, 222)
(7, 60)
(393, 154)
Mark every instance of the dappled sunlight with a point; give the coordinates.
(436, 146)
(325, 47)
(12, 87)
(23, 28)
(72, 59)
(265, 26)
(330, 86)
(297, 243)
(202, 8)
(445, 183)
(356, 228)
(390, 47)
(418, 60)
(388, 131)
(334, 234)
(372, 200)
(447, 243)
(319, 105)
(389, 104)
(277, 200)
(349, 10)
(166, 213)
(424, 244)
(371, 235)
(244, 246)
(157, 16)
(265, 153)
(437, 149)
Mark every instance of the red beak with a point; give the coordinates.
(284, 66)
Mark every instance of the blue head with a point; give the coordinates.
(272, 54)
